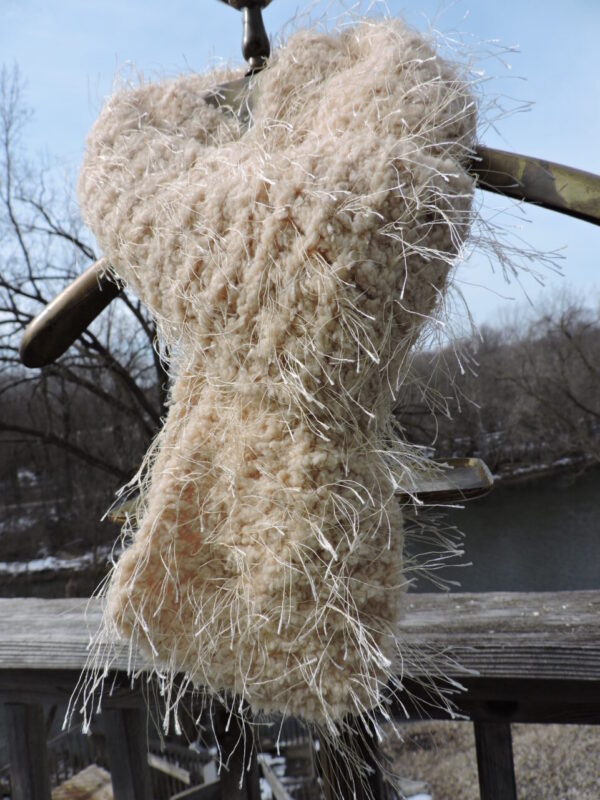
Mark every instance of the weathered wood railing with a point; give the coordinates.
(535, 658)
(524, 658)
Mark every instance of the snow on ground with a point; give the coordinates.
(54, 563)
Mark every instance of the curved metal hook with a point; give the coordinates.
(62, 322)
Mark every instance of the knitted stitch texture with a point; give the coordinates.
(291, 266)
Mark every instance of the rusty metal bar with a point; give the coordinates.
(564, 189)
(60, 324)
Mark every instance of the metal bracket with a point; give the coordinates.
(256, 48)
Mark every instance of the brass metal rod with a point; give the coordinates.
(565, 189)
(63, 320)
(456, 480)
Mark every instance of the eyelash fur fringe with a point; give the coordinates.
(291, 268)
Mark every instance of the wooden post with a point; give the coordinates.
(341, 779)
(26, 734)
(495, 766)
(126, 742)
(238, 752)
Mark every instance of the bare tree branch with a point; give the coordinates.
(57, 441)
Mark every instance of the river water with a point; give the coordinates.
(537, 536)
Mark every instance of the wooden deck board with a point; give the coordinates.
(512, 635)
(554, 635)
(522, 657)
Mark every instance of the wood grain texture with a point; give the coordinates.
(36, 633)
(521, 656)
(127, 744)
(26, 735)
(509, 634)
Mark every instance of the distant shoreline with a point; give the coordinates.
(524, 473)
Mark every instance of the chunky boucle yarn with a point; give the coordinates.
(291, 266)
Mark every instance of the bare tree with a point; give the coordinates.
(555, 373)
(95, 409)
(529, 394)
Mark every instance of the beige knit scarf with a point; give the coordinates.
(291, 267)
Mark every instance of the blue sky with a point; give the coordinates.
(69, 50)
